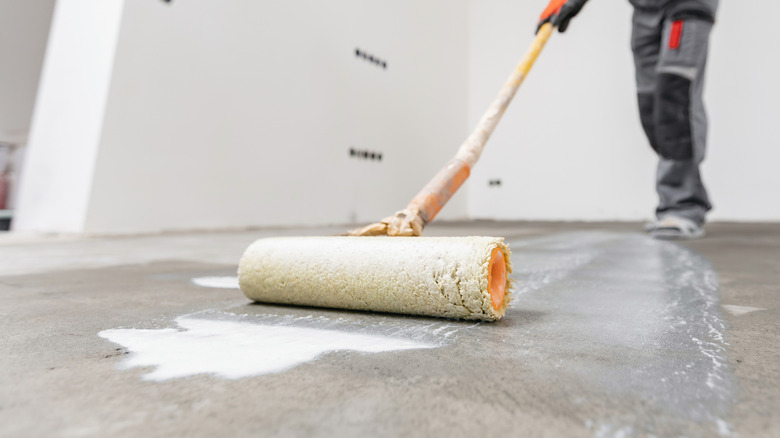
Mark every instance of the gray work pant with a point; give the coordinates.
(670, 56)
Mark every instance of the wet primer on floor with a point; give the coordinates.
(639, 318)
(622, 331)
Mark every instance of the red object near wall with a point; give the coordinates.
(3, 191)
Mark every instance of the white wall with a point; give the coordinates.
(68, 117)
(241, 113)
(743, 95)
(24, 27)
(571, 146)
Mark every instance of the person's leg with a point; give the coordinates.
(680, 122)
(646, 36)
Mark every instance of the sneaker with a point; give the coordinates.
(676, 228)
(650, 226)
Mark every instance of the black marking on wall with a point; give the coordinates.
(365, 155)
(494, 183)
(371, 58)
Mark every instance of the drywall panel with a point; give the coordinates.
(24, 28)
(68, 116)
(240, 113)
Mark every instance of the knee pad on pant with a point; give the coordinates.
(672, 117)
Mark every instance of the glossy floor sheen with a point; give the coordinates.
(609, 334)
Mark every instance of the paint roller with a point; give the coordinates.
(384, 266)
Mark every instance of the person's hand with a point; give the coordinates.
(560, 12)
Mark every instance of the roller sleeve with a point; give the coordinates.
(451, 277)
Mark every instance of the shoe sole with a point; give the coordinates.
(676, 235)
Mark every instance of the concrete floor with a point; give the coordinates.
(609, 334)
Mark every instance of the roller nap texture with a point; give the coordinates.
(452, 277)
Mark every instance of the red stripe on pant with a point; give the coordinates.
(675, 35)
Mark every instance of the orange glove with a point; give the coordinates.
(560, 12)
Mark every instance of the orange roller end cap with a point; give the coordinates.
(497, 278)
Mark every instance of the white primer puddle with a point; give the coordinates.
(217, 282)
(236, 349)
